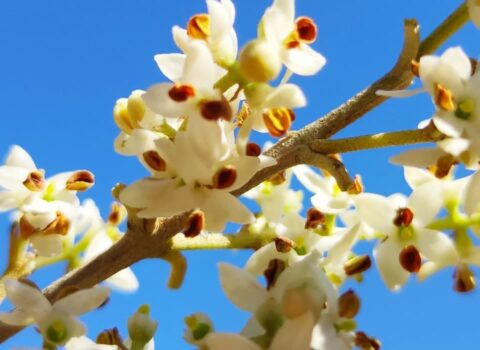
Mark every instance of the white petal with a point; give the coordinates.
(331, 205)
(286, 7)
(427, 269)
(241, 287)
(386, 256)
(325, 336)
(221, 207)
(17, 318)
(84, 343)
(9, 200)
(456, 57)
(82, 301)
(47, 245)
(294, 334)
(222, 341)
(12, 177)
(287, 96)
(259, 260)
(425, 202)
(181, 38)
(303, 60)
(124, 280)
(448, 126)
(171, 65)
(27, 298)
(416, 177)
(156, 98)
(436, 247)
(472, 194)
(454, 146)
(199, 67)
(377, 211)
(311, 180)
(18, 157)
(420, 158)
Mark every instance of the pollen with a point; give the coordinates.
(181, 93)
(198, 27)
(278, 121)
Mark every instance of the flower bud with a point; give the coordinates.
(198, 326)
(141, 328)
(260, 61)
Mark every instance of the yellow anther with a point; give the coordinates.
(278, 120)
(443, 98)
(198, 27)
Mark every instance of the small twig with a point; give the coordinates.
(358, 143)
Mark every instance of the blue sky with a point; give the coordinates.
(63, 65)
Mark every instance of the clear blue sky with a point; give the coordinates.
(64, 63)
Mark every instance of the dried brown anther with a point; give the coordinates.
(348, 304)
(35, 181)
(195, 224)
(404, 217)
(284, 244)
(464, 280)
(215, 110)
(306, 29)
(253, 149)
(314, 218)
(278, 120)
(80, 181)
(225, 177)
(154, 161)
(181, 93)
(357, 265)
(410, 259)
(274, 269)
(365, 342)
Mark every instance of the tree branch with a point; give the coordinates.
(153, 237)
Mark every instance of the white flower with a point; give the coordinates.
(57, 322)
(474, 11)
(292, 36)
(403, 223)
(84, 343)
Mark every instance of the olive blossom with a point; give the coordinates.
(57, 322)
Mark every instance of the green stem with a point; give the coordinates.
(449, 26)
(386, 139)
(220, 241)
(137, 346)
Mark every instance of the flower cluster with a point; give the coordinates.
(192, 134)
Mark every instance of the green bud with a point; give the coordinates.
(141, 327)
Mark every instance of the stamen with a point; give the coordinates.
(253, 149)
(314, 218)
(404, 217)
(284, 244)
(198, 27)
(195, 224)
(348, 304)
(80, 181)
(154, 161)
(273, 271)
(278, 120)
(443, 98)
(306, 29)
(225, 177)
(410, 259)
(35, 181)
(464, 280)
(214, 110)
(357, 265)
(357, 186)
(181, 93)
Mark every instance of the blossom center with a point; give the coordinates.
(198, 27)
(57, 332)
(465, 109)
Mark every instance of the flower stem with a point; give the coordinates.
(221, 241)
(358, 143)
(448, 27)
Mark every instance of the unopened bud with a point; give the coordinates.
(273, 271)
(225, 177)
(284, 244)
(357, 265)
(195, 224)
(141, 328)
(314, 218)
(136, 107)
(410, 259)
(198, 326)
(35, 181)
(260, 61)
(348, 304)
(464, 280)
(80, 181)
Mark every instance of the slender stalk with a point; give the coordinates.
(456, 20)
(358, 143)
(221, 241)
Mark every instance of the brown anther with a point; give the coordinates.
(35, 181)
(284, 244)
(26, 228)
(443, 98)
(404, 217)
(253, 149)
(111, 337)
(415, 67)
(357, 186)
(365, 342)
(195, 224)
(410, 259)
(278, 120)
(198, 26)
(80, 181)
(464, 280)
(306, 29)
(357, 265)
(274, 269)
(314, 218)
(59, 226)
(215, 110)
(292, 44)
(348, 304)
(181, 93)
(225, 177)
(278, 178)
(154, 161)
(115, 217)
(444, 165)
